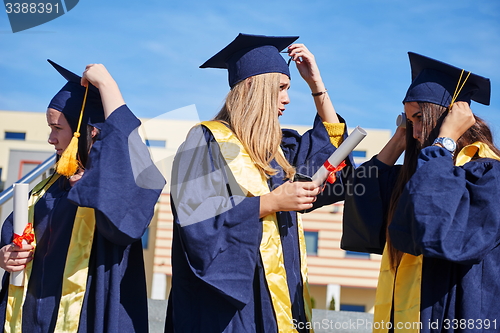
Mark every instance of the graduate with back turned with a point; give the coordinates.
(436, 218)
(238, 252)
(84, 269)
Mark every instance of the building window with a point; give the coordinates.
(359, 255)
(156, 143)
(26, 167)
(15, 136)
(351, 307)
(359, 153)
(311, 242)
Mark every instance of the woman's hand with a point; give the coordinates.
(14, 258)
(308, 69)
(96, 74)
(76, 177)
(290, 196)
(306, 65)
(99, 76)
(458, 120)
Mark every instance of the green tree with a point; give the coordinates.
(332, 304)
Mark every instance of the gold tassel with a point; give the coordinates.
(68, 164)
(458, 89)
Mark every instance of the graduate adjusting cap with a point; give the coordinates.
(69, 99)
(79, 105)
(437, 82)
(249, 55)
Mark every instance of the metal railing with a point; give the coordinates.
(29, 178)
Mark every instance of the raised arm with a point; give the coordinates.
(308, 69)
(394, 147)
(458, 120)
(99, 76)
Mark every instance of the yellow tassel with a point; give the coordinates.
(458, 88)
(68, 164)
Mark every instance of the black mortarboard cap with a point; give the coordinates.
(435, 82)
(69, 100)
(249, 55)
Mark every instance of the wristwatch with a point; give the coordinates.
(447, 143)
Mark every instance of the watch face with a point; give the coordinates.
(449, 144)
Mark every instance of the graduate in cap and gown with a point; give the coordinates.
(436, 218)
(84, 270)
(238, 252)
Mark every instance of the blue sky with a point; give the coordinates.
(153, 49)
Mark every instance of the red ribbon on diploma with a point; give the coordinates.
(331, 177)
(27, 235)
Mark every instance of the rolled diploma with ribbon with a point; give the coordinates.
(356, 136)
(20, 221)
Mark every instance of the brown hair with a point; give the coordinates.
(250, 110)
(432, 118)
(85, 142)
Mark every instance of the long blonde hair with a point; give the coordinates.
(251, 112)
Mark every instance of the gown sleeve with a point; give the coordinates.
(121, 182)
(449, 212)
(368, 192)
(218, 227)
(7, 231)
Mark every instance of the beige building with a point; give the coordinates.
(25, 132)
(348, 278)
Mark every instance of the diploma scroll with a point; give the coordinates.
(356, 136)
(20, 221)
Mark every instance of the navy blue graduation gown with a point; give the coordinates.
(218, 281)
(451, 216)
(124, 200)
